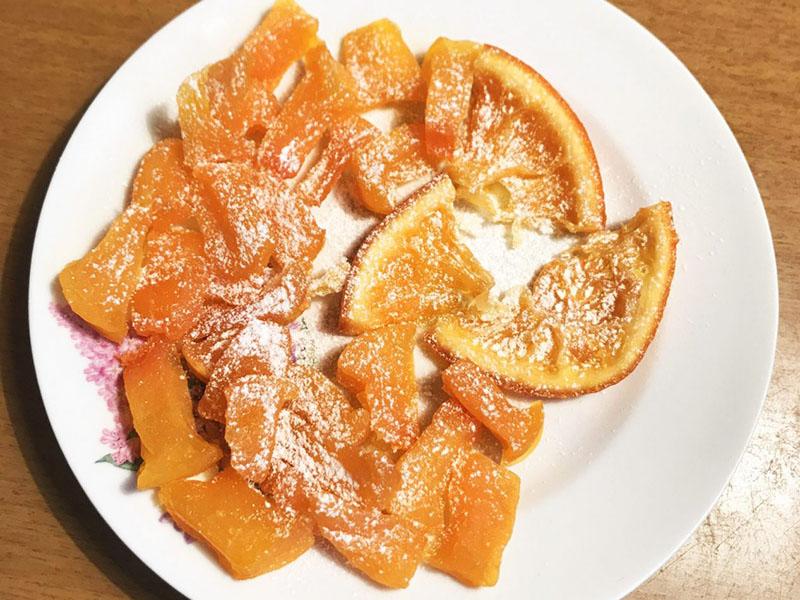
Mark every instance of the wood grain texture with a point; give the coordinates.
(55, 55)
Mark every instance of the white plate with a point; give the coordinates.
(622, 477)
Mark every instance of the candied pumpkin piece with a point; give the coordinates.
(386, 548)
(447, 71)
(371, 465)
(249, 536)
(383, 66)
(172, 284)
(482, 502)
(412, 266)
(164, 183)
(223, 108)
(586, 320)
(420, 475)
(518, 430)
(326, 94)
(158, 396)
(344, 139)
(99, 286)
(378, 366)
(326, 410)
(389, 167)
(251, 419)
(261, 347)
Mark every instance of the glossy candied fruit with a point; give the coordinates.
(412, 266)
(420, 476)
(389, 167)
(172, 285)
(383, 66)
(378, 367)
(260, 347)
(248, 535)
(99, 286)
(325, 95)
(371, 465)
(519, 126)
(343, 140)
(447, 73)
(158, 396)
(481, 508)
(588, 318)
(517, 429)
(253, 403)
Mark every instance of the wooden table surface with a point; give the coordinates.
(54, 57)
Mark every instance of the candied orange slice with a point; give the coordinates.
(420, 476)
(412, 266)
(517, 430)
(158, 395)
(482, 502)
(251, 420)
(378, 366)
(383, 66)
(343, 140)
(519, 126)
(386, 548)
(223, 108)
(99, 286)
(249, 536)
(172, 285)
(588, 319)
(447, 71)
(326, 94)
(387, 167)
(260, 347)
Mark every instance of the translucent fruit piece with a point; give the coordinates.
(482, 502)
(519, 126)
(447, 71)
(391, 166)
(158, 395)
(223, 108)
(378, 366)
(172, 285)
(99, 286)
(260, 347)
(345, 138)
(251, 418)
(249, 536)
(518, 430)
(371, 466)
(412, 266)
(165, 184)
(420, 475)
(325, 95)
(588, 318)
(384, 68)
(386, 548)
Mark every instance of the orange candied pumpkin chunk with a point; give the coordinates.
(173, 282)
(518, 430)
(344, 139)
(390, 167)
(447, 71)
(421, 474)
(383, 66)
(371, 465)
(249, 536)
(158, 395)
(259, 347)
(99, 286)
(482, 502)
(326, 94)
(223, 108)
(251, 419)
(378, 366)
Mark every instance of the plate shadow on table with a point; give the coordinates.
(40, 450)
